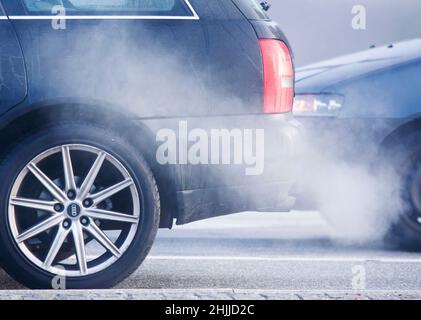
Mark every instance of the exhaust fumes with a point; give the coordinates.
(358, 197)
(359, 202)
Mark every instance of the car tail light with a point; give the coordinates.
(278, 76)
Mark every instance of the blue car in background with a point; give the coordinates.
(366, 108)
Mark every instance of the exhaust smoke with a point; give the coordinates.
(360, 202)
(359, 197)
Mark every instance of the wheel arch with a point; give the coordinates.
(403, 131)
(398, 148)
(21, 122)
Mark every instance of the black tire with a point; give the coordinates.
(405, 159)
(16, 263)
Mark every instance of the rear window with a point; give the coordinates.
(104, 7)
(252, 9)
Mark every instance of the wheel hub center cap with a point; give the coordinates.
(74, 210)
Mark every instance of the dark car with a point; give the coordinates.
(108, 111)
(365, 108)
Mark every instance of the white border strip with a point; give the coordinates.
(195, 16)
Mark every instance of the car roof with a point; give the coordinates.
(326, 73)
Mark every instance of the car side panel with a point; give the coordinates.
(235, 67)
(12, 67)
(147, 68)
(210, 66)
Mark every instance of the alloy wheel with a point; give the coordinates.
(74, 210)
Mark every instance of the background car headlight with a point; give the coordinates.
(318, 104)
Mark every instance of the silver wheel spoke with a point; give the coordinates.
(105, 194)
(80, 248)
(69, 176)
(91, 176)
(102, 238)
(55, 247)
(111, 215)
(55, 191)
(41, 227)
(33, 204)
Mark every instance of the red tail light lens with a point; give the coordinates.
(278, 76)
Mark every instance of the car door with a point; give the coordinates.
(12, 67)
(145, 56)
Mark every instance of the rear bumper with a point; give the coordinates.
(207, 190)
(204, 203)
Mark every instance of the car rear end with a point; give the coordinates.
(251, 68)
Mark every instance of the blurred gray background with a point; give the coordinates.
(321, 29)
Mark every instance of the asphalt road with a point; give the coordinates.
(266, 255)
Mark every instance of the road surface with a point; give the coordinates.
(258, 256)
